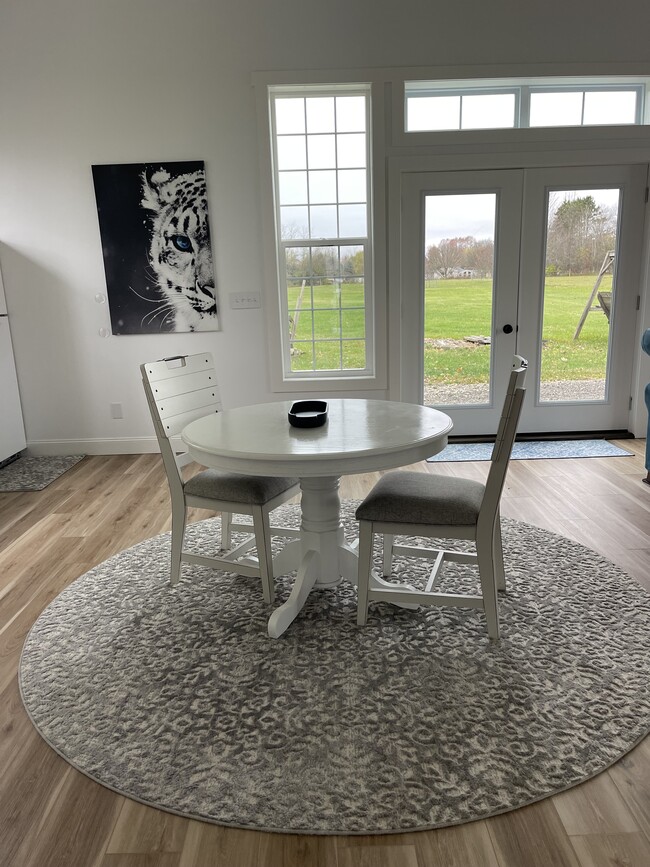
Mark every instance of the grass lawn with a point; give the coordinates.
(331, 315)
(454, 310)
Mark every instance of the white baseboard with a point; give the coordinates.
(125, 446)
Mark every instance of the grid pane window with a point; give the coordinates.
(320, 114)
(291, 152)
(322, 221)
(488, 111)
(609, 107)
(351, 150)
(352, 185)
(432, 106)
(461, 111)
(583, 108)
(290, 117)
(293, 188)
(326, 298)
(352, 221)
(321, 150)
(325, 263)
(351, 113)
(294, 222)
(432, 113)
(322, 187)
(556, 109)
(351, 323)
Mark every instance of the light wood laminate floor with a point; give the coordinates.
(53, 816)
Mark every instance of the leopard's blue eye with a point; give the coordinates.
(182, 243)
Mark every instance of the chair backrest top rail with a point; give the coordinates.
(180, 390)
(179, 365)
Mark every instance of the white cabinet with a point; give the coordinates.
(12, 430)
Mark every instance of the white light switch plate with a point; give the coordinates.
(246, 299)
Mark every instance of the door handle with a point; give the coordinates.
(507, 329)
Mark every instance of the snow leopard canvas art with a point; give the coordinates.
(155, 233)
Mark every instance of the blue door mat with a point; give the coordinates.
(533, 450)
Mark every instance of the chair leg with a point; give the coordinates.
(179, 516)
(226, 521)
(485, 558)
(365, 565)
(387, 542)
(499, 568)
(262, 530)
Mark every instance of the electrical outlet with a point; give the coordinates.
(116, 410)
(238, 301)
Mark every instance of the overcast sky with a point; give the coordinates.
(473, 214)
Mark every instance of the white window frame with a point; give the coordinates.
(283, 379)
(640, 89)
(395, 152)
(522, 89)
(464, 92)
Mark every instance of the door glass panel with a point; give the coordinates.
(579, 293)
(458, 297)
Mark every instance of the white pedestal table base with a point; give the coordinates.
(321, 555)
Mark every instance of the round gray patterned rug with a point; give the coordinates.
(177, 698)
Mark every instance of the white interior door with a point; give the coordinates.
(498, 262)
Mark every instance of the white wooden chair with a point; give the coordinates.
(443, 507)
(182, 389)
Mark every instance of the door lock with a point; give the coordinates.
(507, 329)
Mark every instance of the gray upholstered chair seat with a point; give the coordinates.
(236, 488)
(419, 498)
(437, 507)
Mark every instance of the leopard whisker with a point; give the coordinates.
(165, 310)
(144, 297)
(170, 316)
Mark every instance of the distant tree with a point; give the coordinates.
(454, 254)
(481, 257)
(431, 263)
(353, 266)
(324, 263)
(580, 233)
(297, 262)
(445, 258)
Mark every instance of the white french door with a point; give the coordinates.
(583, 383)
(544, 263)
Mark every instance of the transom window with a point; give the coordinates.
(506, 104)
(321, 156)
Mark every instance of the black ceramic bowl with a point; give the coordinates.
(308, 413)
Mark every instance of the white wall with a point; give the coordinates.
(110, 81)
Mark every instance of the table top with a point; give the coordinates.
(359, 436)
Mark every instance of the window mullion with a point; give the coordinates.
(523, 119)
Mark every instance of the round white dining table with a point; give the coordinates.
(359, 436)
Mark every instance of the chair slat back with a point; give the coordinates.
(180, 390)
(506, 433)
